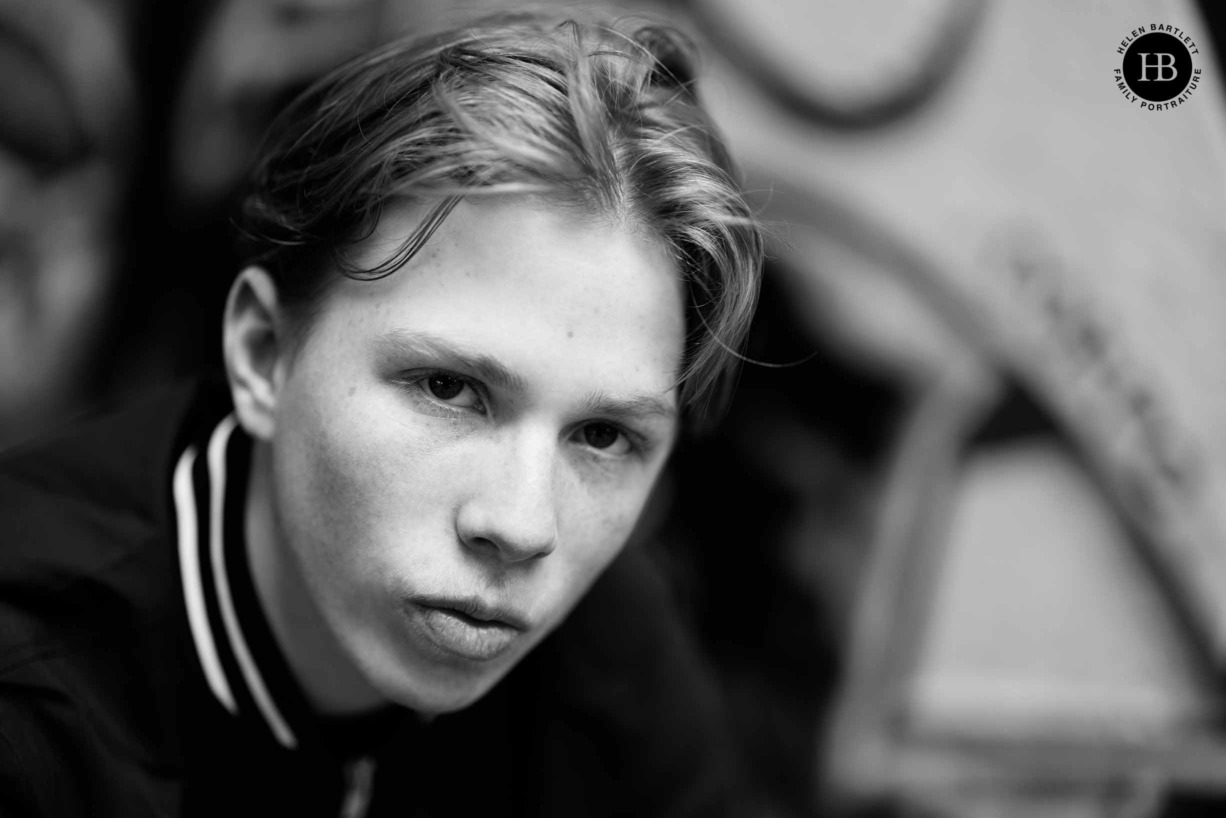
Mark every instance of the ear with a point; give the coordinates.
(254, 347)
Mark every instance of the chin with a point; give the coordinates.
(445, 692)
(438, 700)
(449, 701)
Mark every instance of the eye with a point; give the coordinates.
(451, 390)
(605, 437)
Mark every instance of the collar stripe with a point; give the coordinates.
(193, 588)
(251, 674)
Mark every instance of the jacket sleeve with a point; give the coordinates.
(73, 689)
(17, 798)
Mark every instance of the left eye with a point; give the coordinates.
(606, 437)
(451, 390)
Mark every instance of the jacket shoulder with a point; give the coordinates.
(86, 525)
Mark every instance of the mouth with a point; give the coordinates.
(468, 628)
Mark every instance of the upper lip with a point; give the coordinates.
(476, 608)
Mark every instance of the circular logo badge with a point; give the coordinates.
(1159, 69)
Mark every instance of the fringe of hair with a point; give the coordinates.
(596, 115)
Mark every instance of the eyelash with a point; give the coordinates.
(417, 382)
(639, 445)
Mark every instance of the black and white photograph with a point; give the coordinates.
(628, 408)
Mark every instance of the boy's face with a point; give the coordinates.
(460, 448)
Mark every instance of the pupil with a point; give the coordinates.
(445, 387)
(600, 435)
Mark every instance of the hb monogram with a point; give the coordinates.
(1161, 64)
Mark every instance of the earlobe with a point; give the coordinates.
(252, 346)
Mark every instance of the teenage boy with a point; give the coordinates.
(492, 277)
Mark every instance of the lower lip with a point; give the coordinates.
(463, 636)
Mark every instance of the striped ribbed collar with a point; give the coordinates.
(242, 665)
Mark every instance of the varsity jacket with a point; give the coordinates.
(139, 676)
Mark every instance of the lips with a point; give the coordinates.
(467, 628)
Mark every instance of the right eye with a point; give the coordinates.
(451, 390)
(447, 390)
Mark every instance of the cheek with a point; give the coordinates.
(601, 520)
(315, 493)
(367, 483)
(331, 472)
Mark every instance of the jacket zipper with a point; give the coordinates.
(359, 780)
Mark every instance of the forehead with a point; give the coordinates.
(539, 289)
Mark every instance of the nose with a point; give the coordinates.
(511, 513)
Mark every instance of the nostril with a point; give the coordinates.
(481, 544)
(507, 545)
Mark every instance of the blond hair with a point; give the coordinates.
(600, 116)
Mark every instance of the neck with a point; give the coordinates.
(332, 683)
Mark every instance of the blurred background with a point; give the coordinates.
(960, 547)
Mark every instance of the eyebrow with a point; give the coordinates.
(636, 406)
(410, 343)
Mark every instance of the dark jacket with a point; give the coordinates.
(138, 676)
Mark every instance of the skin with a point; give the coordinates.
(486, 423)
